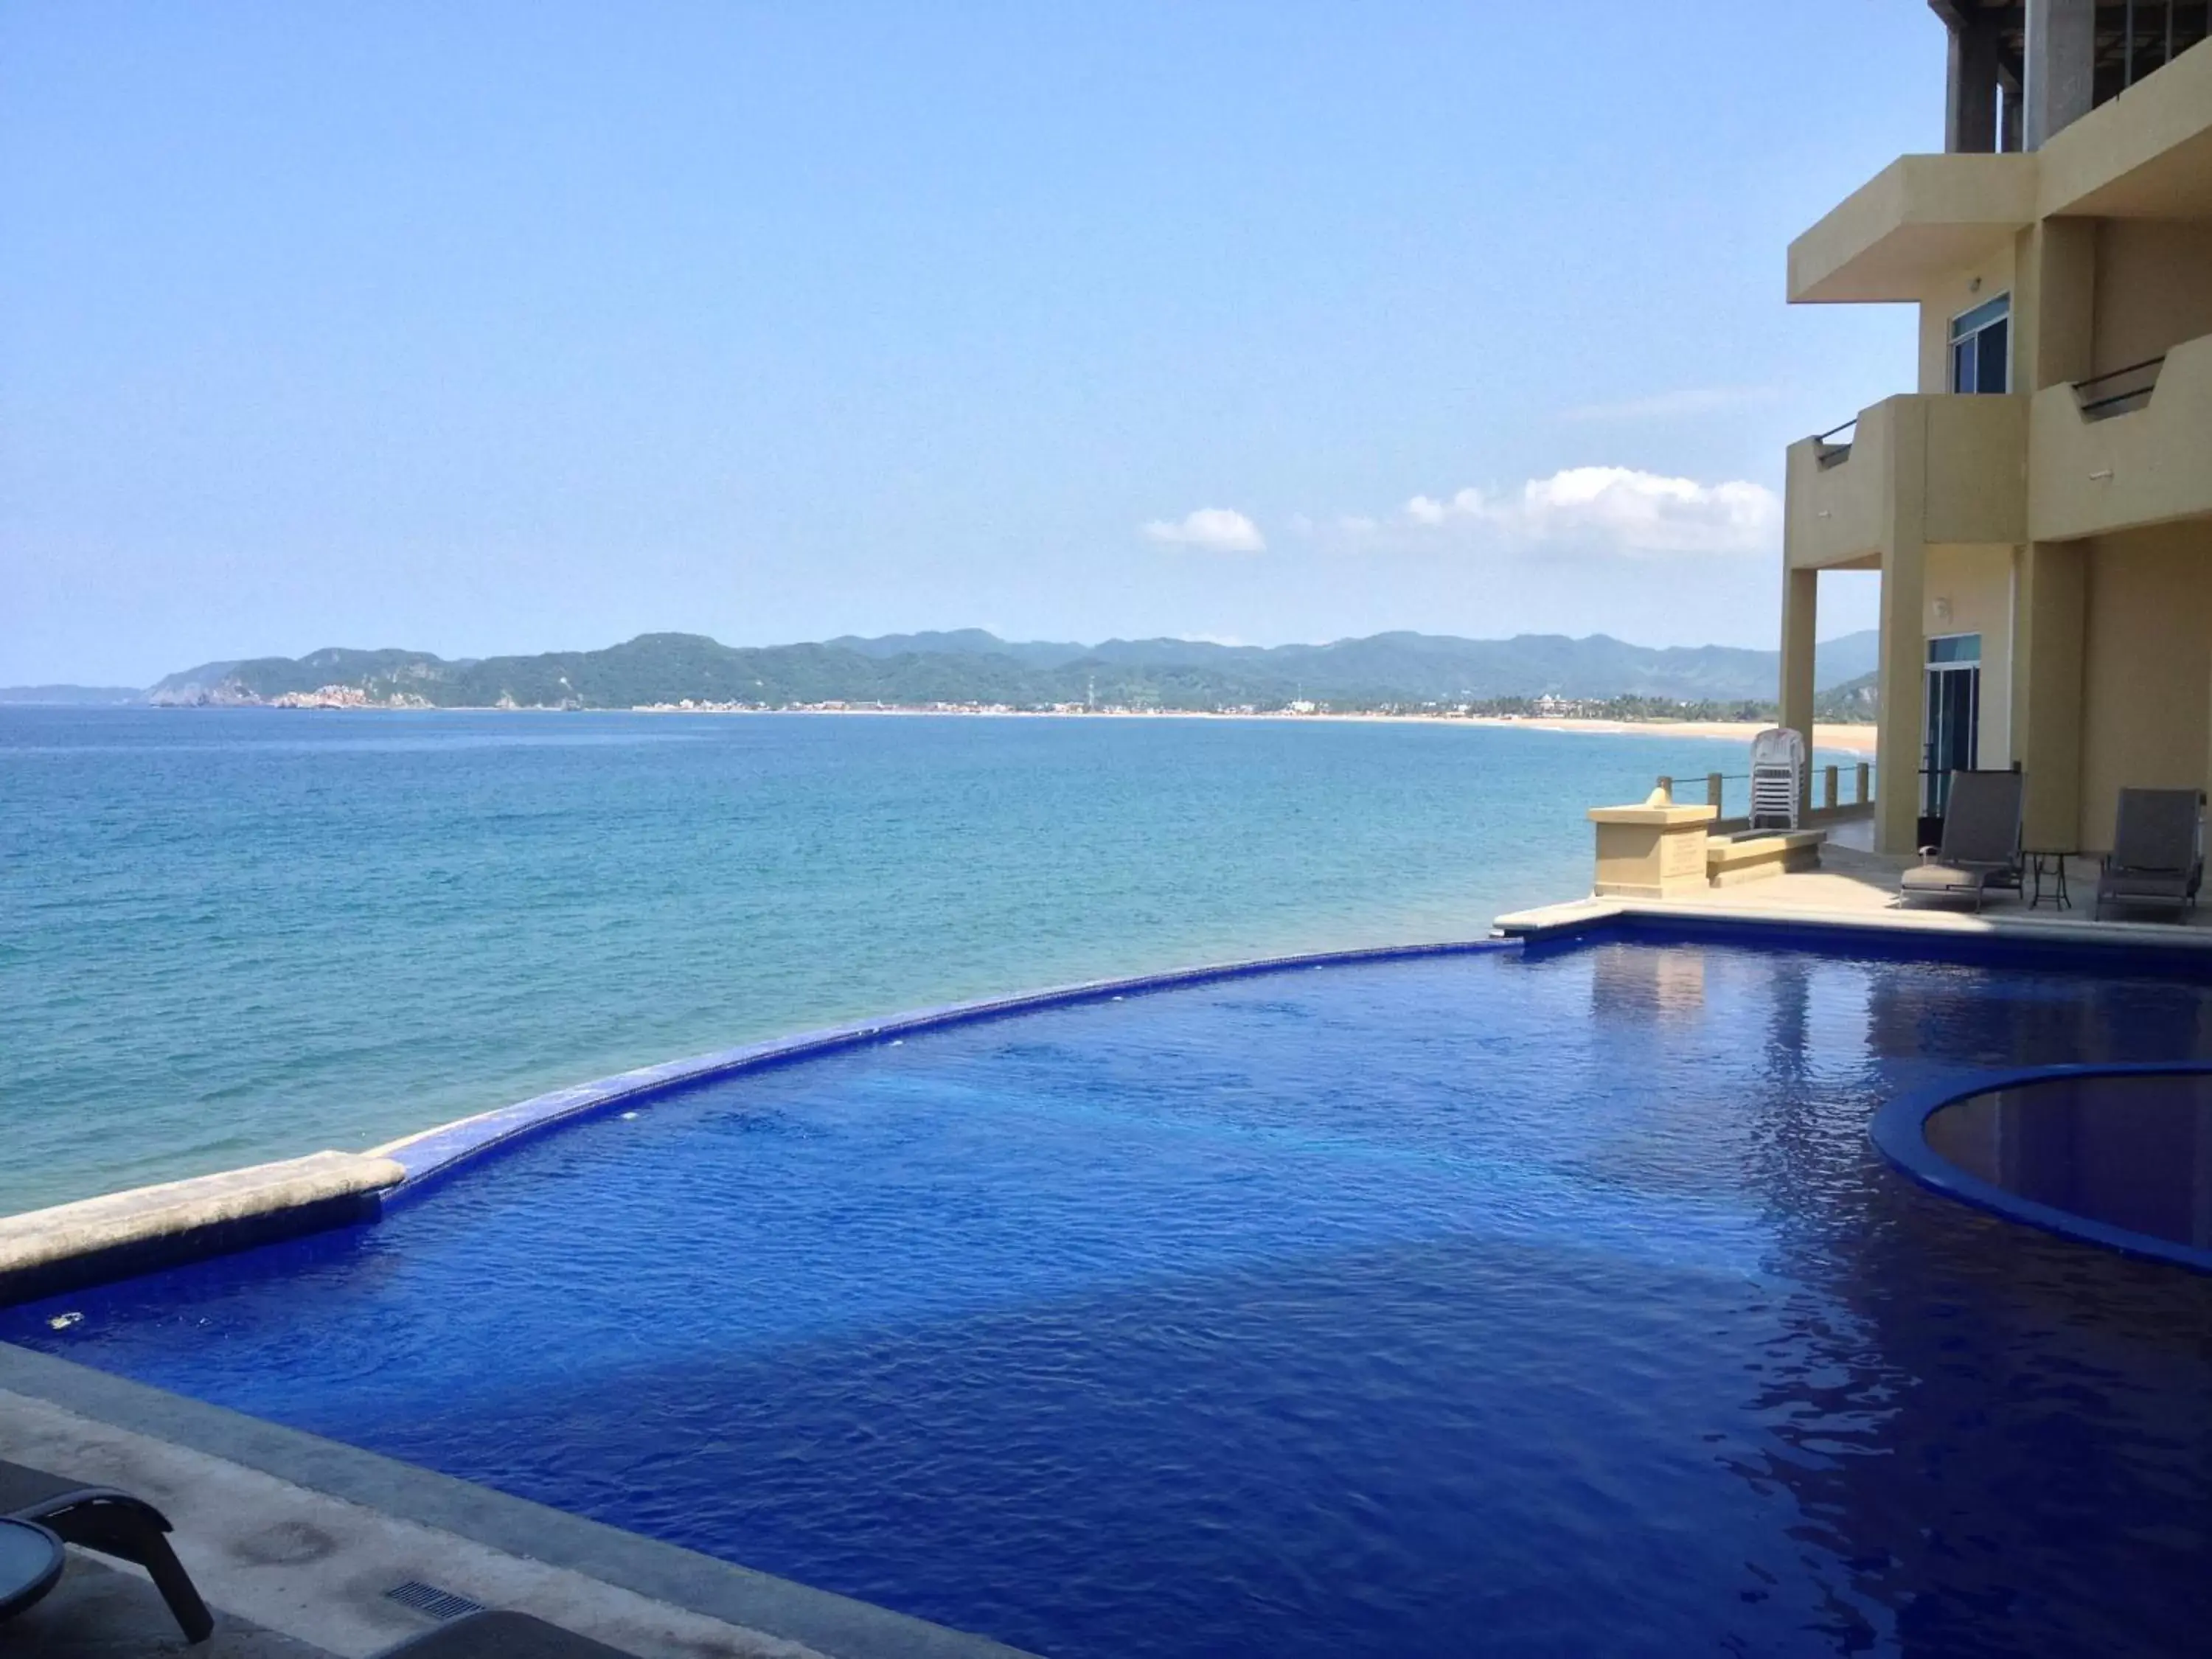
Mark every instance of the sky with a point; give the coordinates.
(480, 328)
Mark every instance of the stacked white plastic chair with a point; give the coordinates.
(1777, 773)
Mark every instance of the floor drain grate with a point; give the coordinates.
(429, 1599)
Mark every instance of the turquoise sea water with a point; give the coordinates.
(232, 935)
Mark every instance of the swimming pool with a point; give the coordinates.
(1517, 1301)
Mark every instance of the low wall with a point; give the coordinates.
(45, 1251)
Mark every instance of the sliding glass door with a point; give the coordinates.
(1949, 740)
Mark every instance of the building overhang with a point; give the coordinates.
(2145, 155)
(1918, 219)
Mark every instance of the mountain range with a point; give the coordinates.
(970, 665)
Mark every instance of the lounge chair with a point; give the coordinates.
(111, 1523)
(2158, 852)
(1981, 842)
(501, 1635)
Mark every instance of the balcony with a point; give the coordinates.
(2124, 450)
(1920, 218)
(1964, 458)
(2145, 153)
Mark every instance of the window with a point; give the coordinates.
(1955, 647)
(1981, 347)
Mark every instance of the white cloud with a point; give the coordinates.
(1214, 529)
(1615, 509)
(1685, 400)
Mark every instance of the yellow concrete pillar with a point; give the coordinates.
(1904, 672)
(2049, 608)
(1801, 595)
(1904, 677)
(2054, 303)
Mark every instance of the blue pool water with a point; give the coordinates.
(1543, 1304)
(230, 935)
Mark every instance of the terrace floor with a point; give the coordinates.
(1857, 886)
(294, 1573)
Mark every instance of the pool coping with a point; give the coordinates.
(1577, 918)
(843, 1627)
(434, 1155)
(95, 1241)
(1899, 1131)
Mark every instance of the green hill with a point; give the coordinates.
(972, 668)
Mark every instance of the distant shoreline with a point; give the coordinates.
(1854, 738)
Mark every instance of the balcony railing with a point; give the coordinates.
(1826, 452)
(2117, 391)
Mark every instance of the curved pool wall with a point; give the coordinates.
(433, 1156)
(1900, 1129)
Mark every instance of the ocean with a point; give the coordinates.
(231, 935)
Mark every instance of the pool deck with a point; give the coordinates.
(1855, 889)
(295, 1542)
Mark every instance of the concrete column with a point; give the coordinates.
(1801, 596)
(2054, 303)
(1969, 106)
(1904, 672)
(2062, 42)
(1904, 692)
(2050, 611)
(2009, 123)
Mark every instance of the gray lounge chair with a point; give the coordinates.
(1981, 842)
(2158, 852)
(111, 1523)
(501, 1635)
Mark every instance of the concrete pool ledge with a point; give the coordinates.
(44, 1252)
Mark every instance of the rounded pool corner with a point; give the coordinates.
(2070, 1156)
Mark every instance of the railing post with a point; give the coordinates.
(1665, 786)
(1713, 792)
(1865, 781)
(1830, 794)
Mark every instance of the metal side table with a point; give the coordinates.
(2048, 864)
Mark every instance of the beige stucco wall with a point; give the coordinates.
(1976, 469)
(2146, 668)
(2154, 287)
(1976, 584)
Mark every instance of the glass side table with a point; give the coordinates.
(2047, 865)
(30, 1562)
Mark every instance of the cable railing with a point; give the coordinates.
(2104, 404)
(1725, 790)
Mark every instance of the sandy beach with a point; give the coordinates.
(1853, 739)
